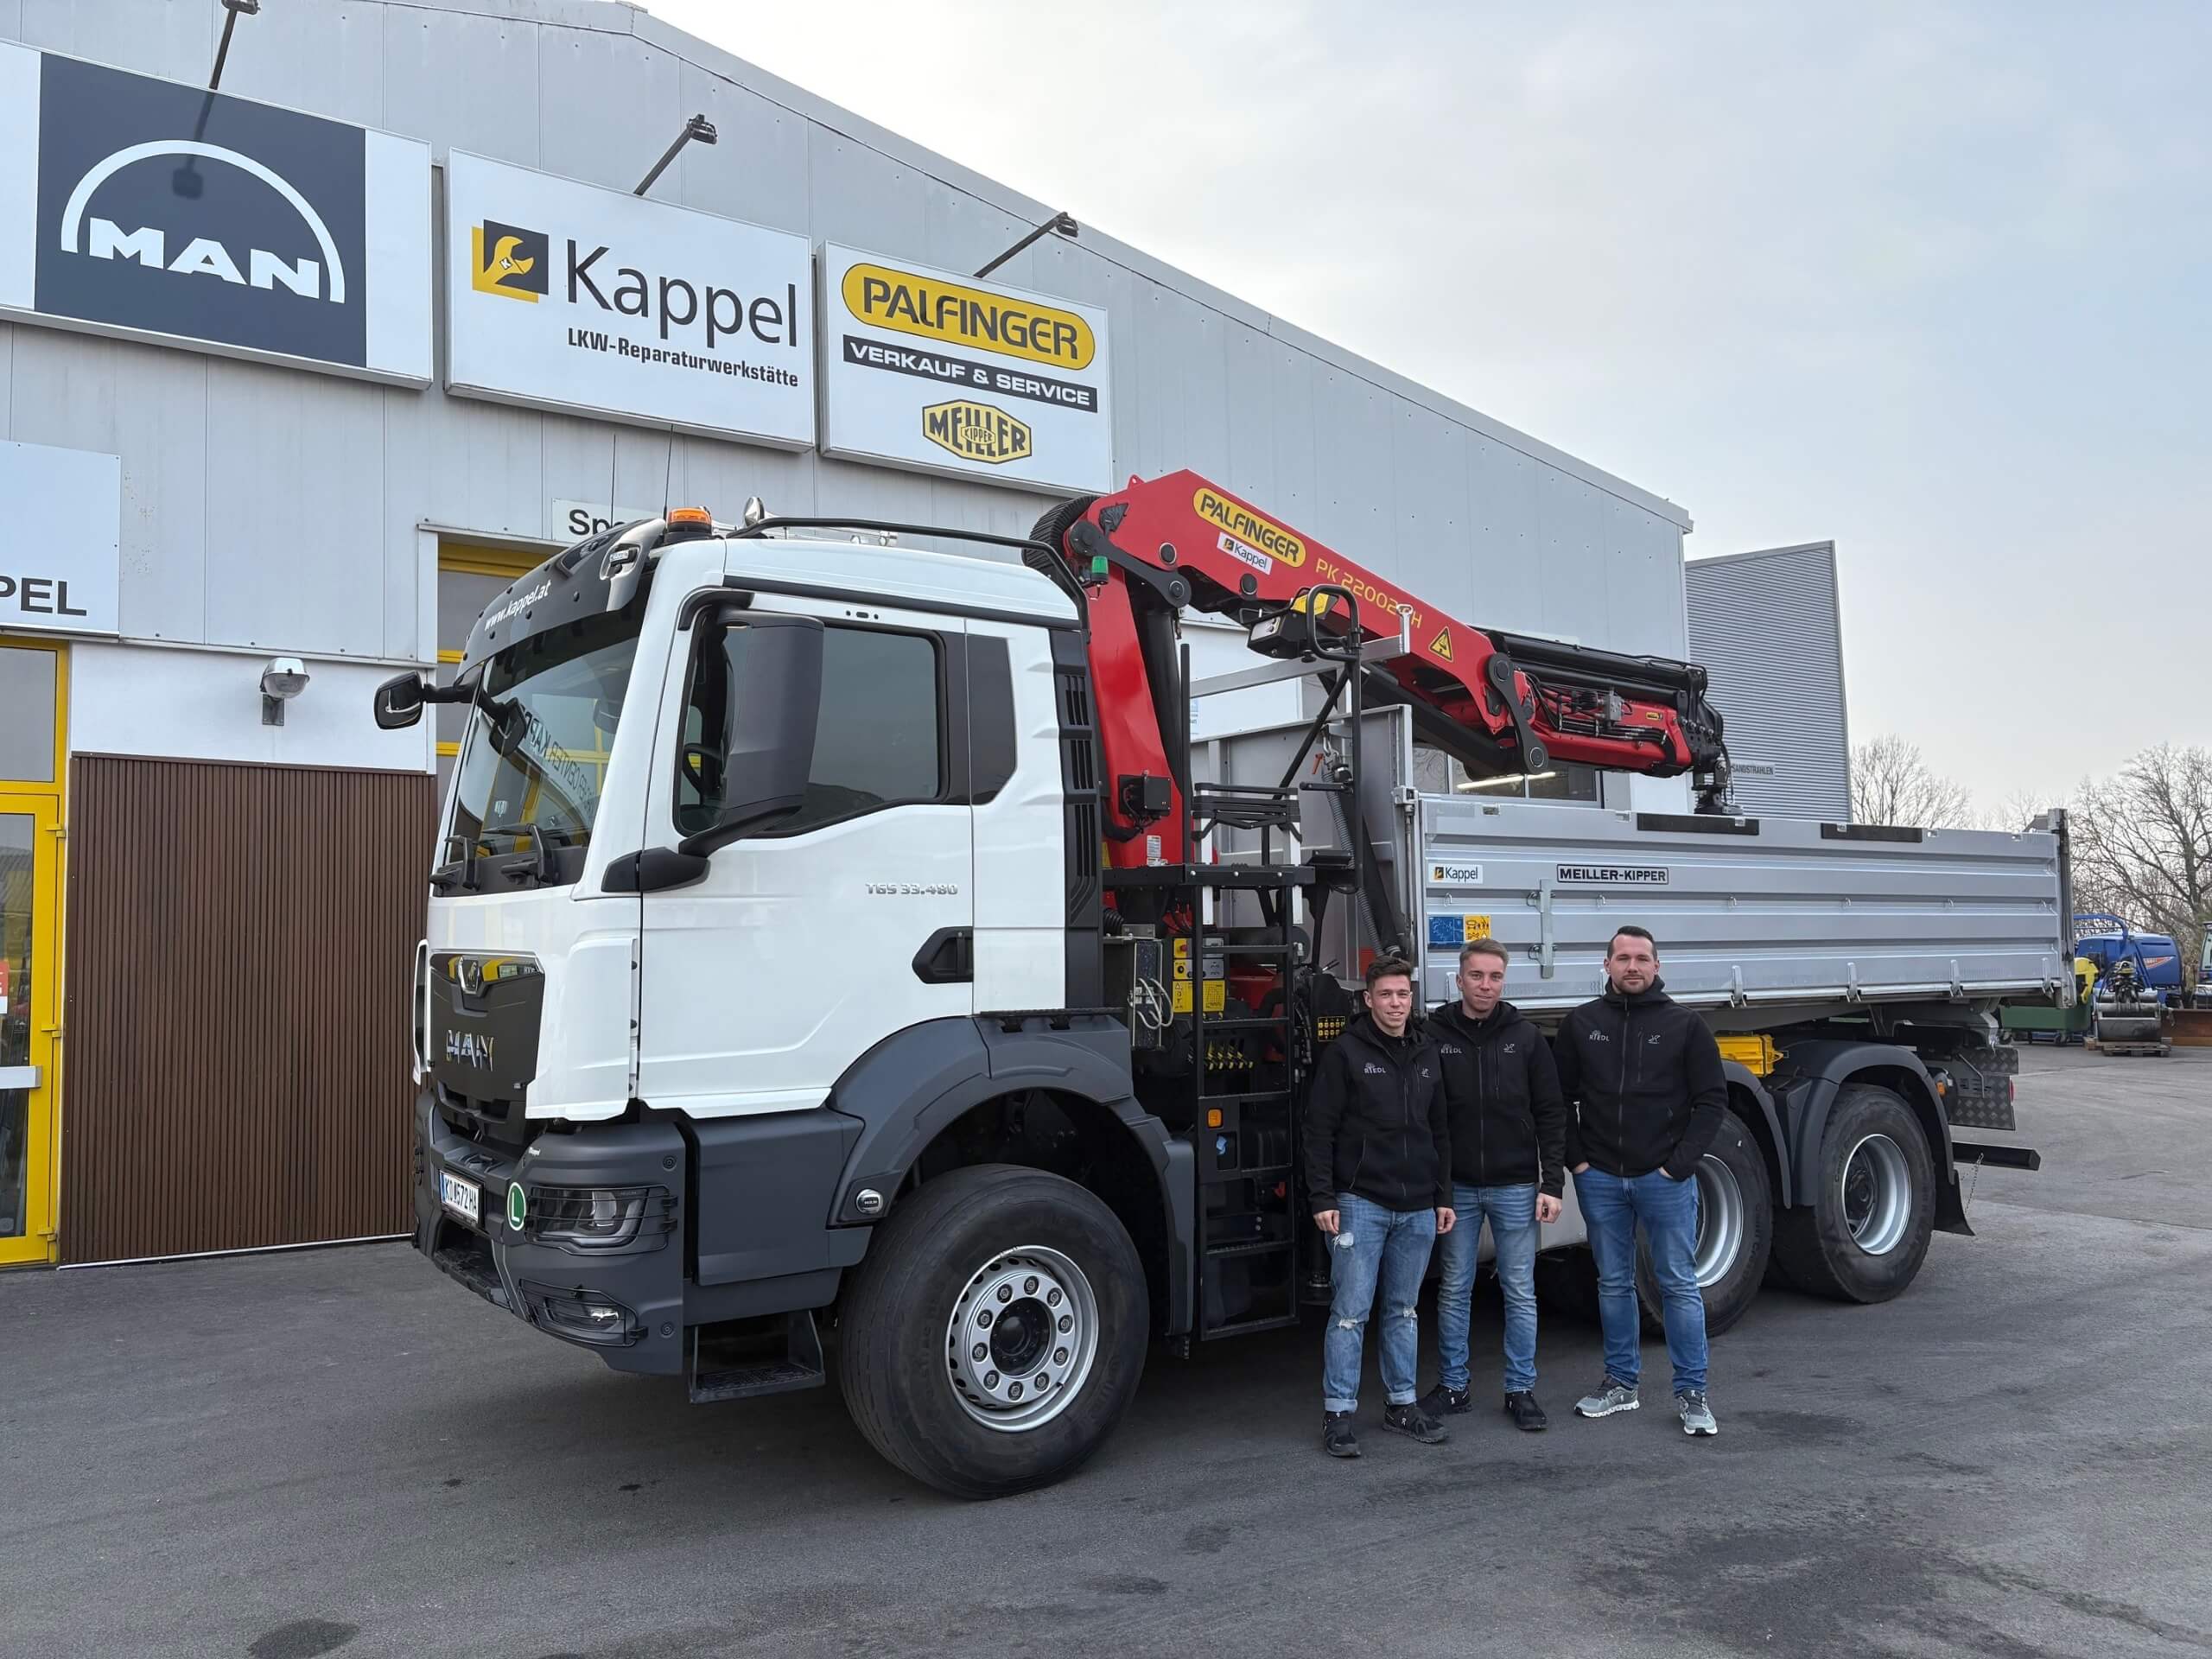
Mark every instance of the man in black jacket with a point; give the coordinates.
(1378, 1176)
(1644, 1075)
(1509, 1136)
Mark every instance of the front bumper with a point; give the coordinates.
(622, 1297)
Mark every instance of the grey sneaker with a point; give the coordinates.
(1696, 1415)
(1615, 1396)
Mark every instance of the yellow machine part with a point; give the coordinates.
(1756, 1054)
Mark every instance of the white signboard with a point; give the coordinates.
(563, 296)
(58, 562)
(934, 371)
(573, 521)
(136, 206)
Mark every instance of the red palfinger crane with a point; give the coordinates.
(1499, 702)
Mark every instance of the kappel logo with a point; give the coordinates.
(508, 261)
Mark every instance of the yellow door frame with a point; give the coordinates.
(44, 804)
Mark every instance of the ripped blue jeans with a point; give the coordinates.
(1375, 1249)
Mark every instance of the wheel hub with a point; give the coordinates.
(1877, 1194)
(1721, 1222)
(1022, 1337)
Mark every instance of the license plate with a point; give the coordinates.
(464, 1198)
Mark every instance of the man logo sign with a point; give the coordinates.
(136, 205)
(204, 256)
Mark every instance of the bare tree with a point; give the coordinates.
(1891, 783)
(2143, 843)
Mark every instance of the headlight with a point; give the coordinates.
(601, 1218)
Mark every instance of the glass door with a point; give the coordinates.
(28, 1007)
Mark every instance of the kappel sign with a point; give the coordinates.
(59, 565)
(136, 206)
(563, 296)
(931, 370)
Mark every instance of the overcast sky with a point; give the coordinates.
(1932, 280)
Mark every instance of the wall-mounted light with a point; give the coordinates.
(697, 130)
(284, 678)
(232, 10)
(1061, 224)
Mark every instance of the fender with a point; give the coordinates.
(1741, 1076)
(1820, 1069)
(913, 1083)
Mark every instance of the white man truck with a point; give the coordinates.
(832, 937)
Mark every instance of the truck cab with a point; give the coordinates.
(727, 813)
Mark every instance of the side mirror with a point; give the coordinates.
(399, 702)
(773, 677)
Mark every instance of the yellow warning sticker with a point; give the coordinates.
(1442, 644)
(1476, 927)
(1216, 996)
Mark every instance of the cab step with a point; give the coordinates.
(740, 1366)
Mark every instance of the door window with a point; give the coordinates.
(877, 743)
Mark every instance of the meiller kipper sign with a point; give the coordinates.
(931, 369)
(563, 296)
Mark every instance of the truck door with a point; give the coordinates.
(851, 917)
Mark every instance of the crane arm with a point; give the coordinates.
(1500, 703)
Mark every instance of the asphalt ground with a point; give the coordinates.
(337, 1451)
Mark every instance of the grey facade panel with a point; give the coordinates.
(1766, 627)
(280, 510)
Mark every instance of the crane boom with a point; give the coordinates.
(1499, 702)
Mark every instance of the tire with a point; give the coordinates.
(1567, 1283)
(967, 1246)
(1735, 1232)
(1872, 1140)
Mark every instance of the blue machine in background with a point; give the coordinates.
(2158, 968)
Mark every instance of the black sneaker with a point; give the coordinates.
(1521, 1405)
(1412, 1419)
(1336, 1438)
(1441, 1401)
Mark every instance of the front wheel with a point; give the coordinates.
(993, 1335)
(1735, 1232)
(1865, 1232)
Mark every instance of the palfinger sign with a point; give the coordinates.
(928, 370)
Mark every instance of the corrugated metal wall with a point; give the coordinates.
(236, 1005)
(1766, 627)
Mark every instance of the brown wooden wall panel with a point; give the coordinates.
(239, 941)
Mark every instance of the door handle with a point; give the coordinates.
(19, 1076)
(947, 958)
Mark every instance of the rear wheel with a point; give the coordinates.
(993, 1336)
(1735, 1231)
(1865, 1232)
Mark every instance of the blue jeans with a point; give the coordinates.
(1611, 1207)
(1373, 1248)
(1512, 1213)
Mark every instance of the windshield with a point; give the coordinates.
(533, 759)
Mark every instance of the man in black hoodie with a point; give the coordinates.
(1508, 1138)
(1644, 1075)
(1378, 1165)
